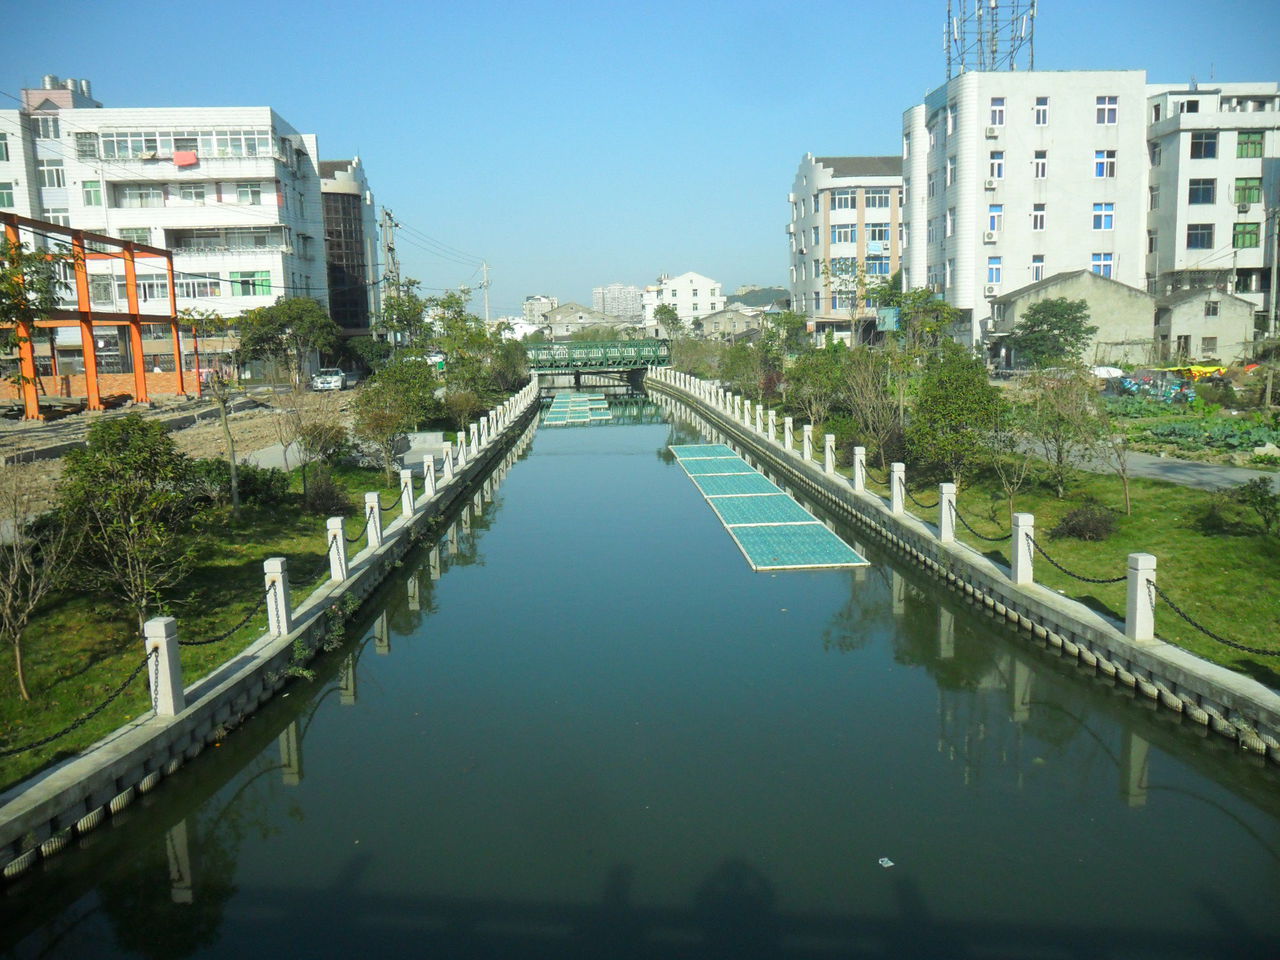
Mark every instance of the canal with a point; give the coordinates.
(578, 725)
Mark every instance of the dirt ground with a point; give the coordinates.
(252, 430)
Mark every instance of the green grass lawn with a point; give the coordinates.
(82, 646)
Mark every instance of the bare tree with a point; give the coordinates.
(1011, 453)
(34, 556)
(1062, 421)
(868, 390)
(220, 387)
(1111, 444)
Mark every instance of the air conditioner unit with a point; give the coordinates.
(990, 236)
(791, 228)
(993, 132)
(989, 183)
(1242, 208)
(791, 198)
(989, 290)
(147, 155)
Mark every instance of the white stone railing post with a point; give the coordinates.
(407, 506)
(473, 430)
(746, 412)
(463, 455)
(279, 600)
(335, 532)
(829, 454)
(737, 407)
(1139, 608)
(897, 487)
(160, 639)
(946, 513)
(428, 476)
(806, 442)
(373, 515)
(759, 419)
(859, 469)
(448, 462)
(773, 425)
(1024, 531)
(789, 434)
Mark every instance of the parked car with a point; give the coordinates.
(329, 378)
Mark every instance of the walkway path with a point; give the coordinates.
(1186, 473)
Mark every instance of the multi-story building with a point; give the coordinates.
(1011, 177)
(691, 294)
(845, 233)
(619, 300)
(1214, 190)
(537, 306)
(234, 192)
(350, 246)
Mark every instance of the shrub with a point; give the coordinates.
(266, 486)
(324, 496)
(1261, 497)
(1090, 522)
(1222, 394)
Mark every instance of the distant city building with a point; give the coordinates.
(733, 321)
(691, 294)
(536, 307)
(1213, 192)
(350, 245)
(845, 234)
(571, 318)
(619, 300)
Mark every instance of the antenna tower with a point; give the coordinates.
(990, 35)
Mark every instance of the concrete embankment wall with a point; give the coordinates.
(1227, 702)
(41, 815)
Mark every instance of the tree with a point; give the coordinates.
(405, 313)
(954, 409)
(1011, 456)
(383, 415)
(666, 316)
(416, 379)
(1052, 332)
(30, 284)
(134, 497)
(745, 368)
(368, 351)
(207, 323)
(867, 390)
(462, 406)
(288, 331)
(815, 381)
(34, 557)
(1062, 420)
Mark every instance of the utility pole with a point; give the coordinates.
(484, 285)
(390, 263)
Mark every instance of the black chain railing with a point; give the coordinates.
(1070, 573)
(957, 515)
(1154, 591)
(923, 506)
(367, 520)
(871, 473)
(323, 569)
(243, 620)
(385, 508)
(82, 720)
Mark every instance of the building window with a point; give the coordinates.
(1248, 189)
(51, 173)
(951, 119)
(931, 188)
(136, 234)
(997, 111)
(1184, 344)
(995, 217)
(1037, 267)
(877, 233)
(950, 274)
(59, 215)
(995, 168)
(1249, 144)
(92, 192)
(1202, 190)
(930, 233)
(139, 195)
(1037, 216)
(813, 233)
(695, 292)
(877, 265)
(86, 146)
(252, 283)
(1040, 164)
(1151, 241)
(191, 286)
(1189, 106)
(1204, 145)
(1153, 152)
(817, 202)
(950, 223)
(4, 146)
(844, 200)
(6, 193)
(1211, 308)
(150, 287)
(45, 128)
(933, 137)
(804, 208)
(250, 193)
(1208, 345)
(1245, 236)
(1104, 215)
(877, 198)
(1153, 198)
(906, 146)
(844, 266)
(817, 302)
(1101, 263)
(844, 233)
(951, 171)
(1200, 236)
(1107, 109)
(1104, 163)
(191, 192)
(1042, 111)
(994, 269)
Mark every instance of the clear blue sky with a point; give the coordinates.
(576, 144)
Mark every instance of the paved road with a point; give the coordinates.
(1187, 473)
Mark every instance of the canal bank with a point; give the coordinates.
(1226, 702)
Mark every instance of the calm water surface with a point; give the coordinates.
(584, 727)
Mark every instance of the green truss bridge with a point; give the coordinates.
(580, 356)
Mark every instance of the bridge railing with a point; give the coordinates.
(599, 353)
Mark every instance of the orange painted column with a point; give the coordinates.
(26, 350)
(173, 323)
(85, 308)
(195, 350)
(135, 329)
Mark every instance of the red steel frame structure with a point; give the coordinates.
(86, 318)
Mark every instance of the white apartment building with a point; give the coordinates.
(1214, 190)
(234, 192)
(537, 306)
(619, 300)
(845, 233)
(691, 294)
(1011, 177)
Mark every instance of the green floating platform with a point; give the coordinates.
(770, 528)
(571, 409)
